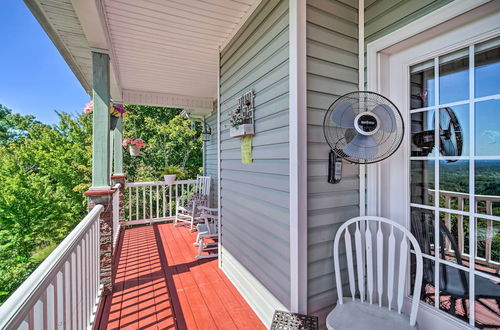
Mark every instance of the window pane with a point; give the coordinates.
(422, 227)
(488, 245)
(487, 122)
(487, 187)
(486, 305)
(422, 85)
(454, 131)
(453, 287)
(422, 182)
(487, 68)
(453, 178)
(427, 292)
(454, 238)
(454, 77)
(422, 133)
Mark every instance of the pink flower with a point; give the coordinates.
(89, 108)
(126, 142)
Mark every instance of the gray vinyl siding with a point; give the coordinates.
(385, 16)
(210, 161)
(255, 197)
(332, 70)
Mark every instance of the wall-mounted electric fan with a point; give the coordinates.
(362, 128)
(450, 136)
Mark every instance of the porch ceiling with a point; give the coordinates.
(163, 52)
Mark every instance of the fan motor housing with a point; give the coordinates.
(367, 123)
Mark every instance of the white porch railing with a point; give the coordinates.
(484, 204)
(64, 291)
(154, 201)
(116, 213)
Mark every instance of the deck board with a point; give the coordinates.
(160, 285)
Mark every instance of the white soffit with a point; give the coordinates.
(163, 52)
(168, 49)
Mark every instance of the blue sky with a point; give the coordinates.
(34, 78)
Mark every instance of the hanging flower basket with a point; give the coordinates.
(134, 151)
(113, 121)
(116, 111)
(134, 146)
(169, 179)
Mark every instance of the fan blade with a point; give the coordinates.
(343, 115)
(363, 147)
(386, 116)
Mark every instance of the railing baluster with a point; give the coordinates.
(170, 200)
(163, 200)
(150, 202)
(489, 231)
(144, 202)
(38, 317)
(136, 203)
(447, 220)
(460, 226)
(129, 203)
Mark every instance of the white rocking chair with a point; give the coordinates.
(207, 230)
(187, 207)
(359, 311)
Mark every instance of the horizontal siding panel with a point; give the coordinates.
(278, 182)
(271, 196)
(330, 52)
(279, 166)
(331, 70)
(327, 200)
(329, 86)
(338, 8)
(274, 151)
(332, 21)
(265, 17)
(325, 36)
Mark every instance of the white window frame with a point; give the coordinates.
(378, 53)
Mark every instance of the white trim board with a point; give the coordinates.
(298, 155)
(256, 295)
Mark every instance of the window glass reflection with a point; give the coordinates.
(422, 133)
(454, 77)
(487, 187)
(454, 131)
(422, 182)
(454, 177)
(454, 238)
(487, 68)
(486, 305)
(487, 122)
(422, 85)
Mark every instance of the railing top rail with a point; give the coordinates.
(28, 293)
(157, 183)
(466, 195)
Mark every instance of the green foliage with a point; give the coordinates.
(169, 141)
(172, 169)
(44, 170)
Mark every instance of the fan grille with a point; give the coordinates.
(387, 140)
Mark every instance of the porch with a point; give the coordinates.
(159, 284)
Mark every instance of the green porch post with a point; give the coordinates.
(117, 148)
(101, 138)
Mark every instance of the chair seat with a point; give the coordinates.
(357, 315)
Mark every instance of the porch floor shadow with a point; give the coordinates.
(160, 285)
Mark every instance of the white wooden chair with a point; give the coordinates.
(209, 229)
(381, 278)
(186, 208)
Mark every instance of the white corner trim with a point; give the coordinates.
(298, 155)
(203, 105)
(242, 21)
(263, 302)
(219, 244)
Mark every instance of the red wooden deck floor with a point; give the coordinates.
(160, 285)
